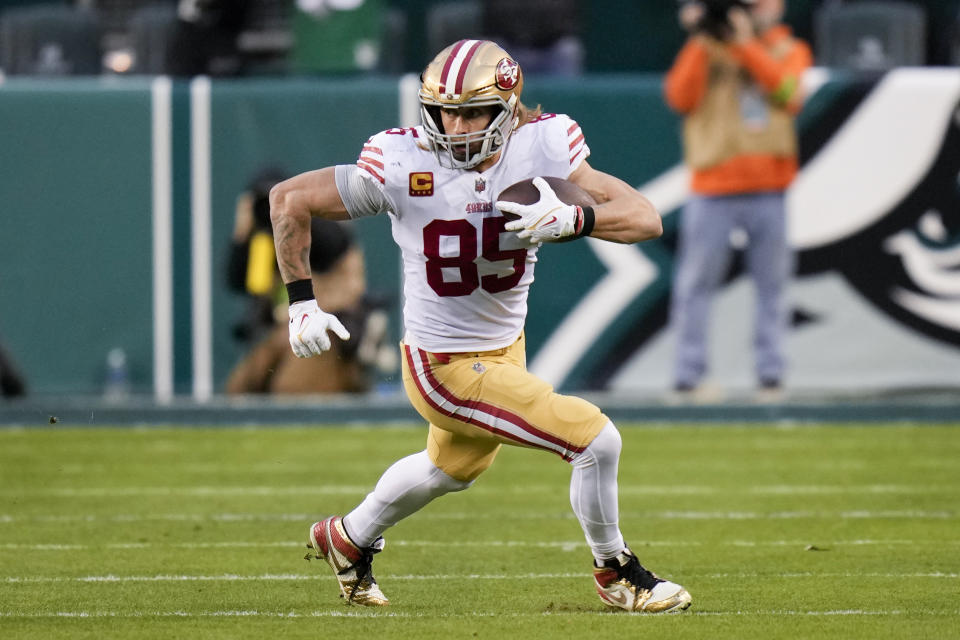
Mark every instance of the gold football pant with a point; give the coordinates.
(477, 401)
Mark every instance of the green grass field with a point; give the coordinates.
(830, 531)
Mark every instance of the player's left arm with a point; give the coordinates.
(622, 214)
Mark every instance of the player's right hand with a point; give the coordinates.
(549, 219)
(309, 326)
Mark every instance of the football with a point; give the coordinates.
(524, 192)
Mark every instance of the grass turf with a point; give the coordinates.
(829, 531)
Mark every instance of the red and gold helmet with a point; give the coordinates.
(470, 73)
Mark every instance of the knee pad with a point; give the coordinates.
(451, 484)
(603, 449)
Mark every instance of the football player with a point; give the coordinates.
(467, 272)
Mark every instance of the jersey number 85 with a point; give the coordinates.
(465, 260)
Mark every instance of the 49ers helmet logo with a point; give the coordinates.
(508, 74)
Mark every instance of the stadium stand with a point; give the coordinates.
(265, 39)
(136, 36)
(333, 40)
(451, 21)
(871, 36)
(151, 32)
(50, 40)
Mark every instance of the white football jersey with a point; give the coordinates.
(465, 279)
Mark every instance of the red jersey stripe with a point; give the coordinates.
(376, 163)
(371, 171)
(577, 141)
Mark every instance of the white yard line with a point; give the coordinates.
(722, 515)
(647, 515)
(563, 545)
(365, 613)
(200, 491)
(296, 577)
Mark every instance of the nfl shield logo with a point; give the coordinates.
(479, 368)
(480, 185)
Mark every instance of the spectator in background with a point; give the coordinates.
(737, 83)
(544, 35)
(270, 366)
(205, 40)
(339, 280)
(252, 268)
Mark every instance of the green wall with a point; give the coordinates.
(75, 240)
(632, 135)
(75, 233)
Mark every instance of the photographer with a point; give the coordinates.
(737, 83)
(339, 282)
(251, 267)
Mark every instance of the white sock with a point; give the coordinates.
(593, 493)
(405, 488)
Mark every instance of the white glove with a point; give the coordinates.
(548, 219)
(309, 326)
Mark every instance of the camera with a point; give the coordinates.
(259, 189)
(714, 21)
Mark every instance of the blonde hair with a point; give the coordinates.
(525, 114)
